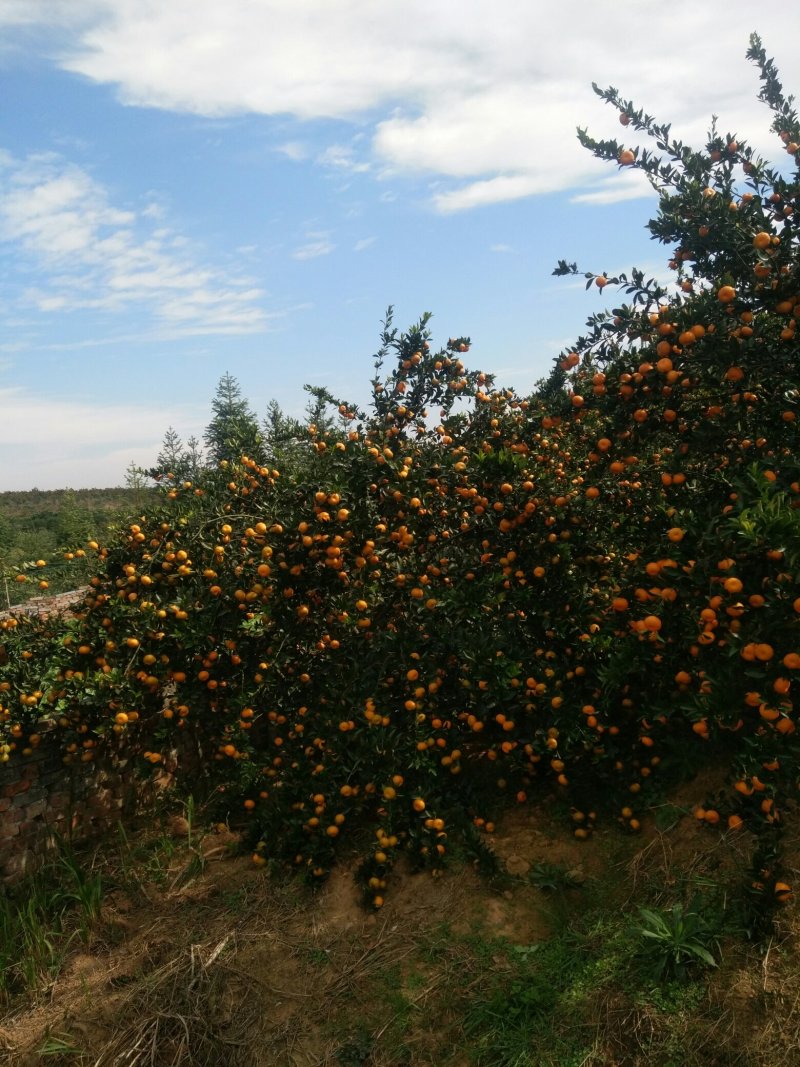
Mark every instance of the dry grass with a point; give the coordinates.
(219, 965)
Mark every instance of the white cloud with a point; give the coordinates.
(51, 443)
(502, 249)
(341, 157)
(364, 243)
(486, 96)
(153, 210)
(92, 255)
(317, 244)
(28, 419)
(294, 150)
(628, 185)
(489, 191)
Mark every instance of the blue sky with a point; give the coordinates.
(189, 187)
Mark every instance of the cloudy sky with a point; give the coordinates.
(189, 187)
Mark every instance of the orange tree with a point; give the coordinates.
(461, 593)
(692, 419)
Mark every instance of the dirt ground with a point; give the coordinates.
(217, 962)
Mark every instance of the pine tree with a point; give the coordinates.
(171, 458)
(285, 438)
(234, 430)
(73, 520)
(193, 458)
(553, 387)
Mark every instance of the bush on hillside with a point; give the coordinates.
(463, 596)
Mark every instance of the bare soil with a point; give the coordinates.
(217, 962)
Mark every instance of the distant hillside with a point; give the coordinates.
(41, 524)
(30, 503)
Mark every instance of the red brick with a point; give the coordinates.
(39, 807)
(9, 829)
(13, 788)
(32, 828)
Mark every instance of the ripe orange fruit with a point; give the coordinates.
(726, 294)
(626, 157)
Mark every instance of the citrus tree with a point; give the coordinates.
(462, 596)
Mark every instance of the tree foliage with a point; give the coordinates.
(233, 429)
(461, 596)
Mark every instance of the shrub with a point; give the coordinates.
(580, 590)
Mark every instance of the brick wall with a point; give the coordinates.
(39, 793)
(46, 605)
(80, 801)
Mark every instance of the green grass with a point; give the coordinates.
(34, 935)
(562, 1001)
(582, 991)
(43, 915)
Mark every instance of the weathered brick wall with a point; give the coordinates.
(46, 605)
(40, 794)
